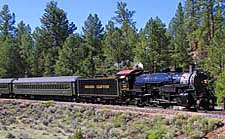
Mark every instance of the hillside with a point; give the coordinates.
(25, 119)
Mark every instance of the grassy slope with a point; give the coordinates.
(47, 120)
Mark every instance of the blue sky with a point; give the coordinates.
(77, 11)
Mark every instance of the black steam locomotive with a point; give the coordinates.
(168, 88)
(128, 86)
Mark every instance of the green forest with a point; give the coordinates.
(194, 35)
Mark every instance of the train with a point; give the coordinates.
(130, 86)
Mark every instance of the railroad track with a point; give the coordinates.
(147, 111)
(214, 114)
(157, 110)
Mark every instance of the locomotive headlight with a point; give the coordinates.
(205, 81)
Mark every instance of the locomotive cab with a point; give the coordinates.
(126, 79)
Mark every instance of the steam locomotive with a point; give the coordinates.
(127, 86)
(169, 88)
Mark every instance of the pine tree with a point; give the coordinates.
(7, 21)
(93, 33)
(114, 48)
(157, 44)
(220, 88)
(191, 13)
(202, 20)
(69, 57)
(38, 63)
(124, 17)
(49, 64)
(4, 61)
(9, 59)
(143, 54)
(207, 27)
(219, 15)
(8, 50)
(215, 62)
(201, 37)
(179, 42)
(25, 47)
(55, 29)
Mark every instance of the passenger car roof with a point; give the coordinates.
(47, 79)
(8, 80)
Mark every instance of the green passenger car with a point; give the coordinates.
(48, 86)
(5, 86)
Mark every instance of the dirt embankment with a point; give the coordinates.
(25, 119)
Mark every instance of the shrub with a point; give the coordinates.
(221, 136)
(194, 118)
(179, 120)
(220, 88)
(196, 134)
(212, 124)
(187, 129)
(119, 121)
(156, 134)
(10, 136)
(115, 133)
(48, 103)
(140, 126)
(159, 129)
(179, 123)
(12, 111)
(77, 134)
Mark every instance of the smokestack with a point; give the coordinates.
(191, 68)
